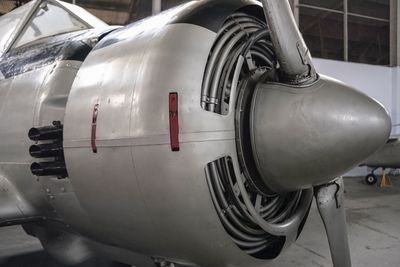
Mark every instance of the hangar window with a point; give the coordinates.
(369, 31)
(349, 30)
(166, 4)
(39, 27)
(330, 4)
(369, 41)
(323, 32)
(142, 9)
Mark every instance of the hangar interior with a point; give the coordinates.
(354, 41)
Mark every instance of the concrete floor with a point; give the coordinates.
(373, 222)
(373, 217)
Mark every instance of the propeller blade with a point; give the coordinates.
(293, 55)
(330, 203)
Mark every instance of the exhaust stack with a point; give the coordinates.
(53, 132)
(46, 150)
(51, 168)
(52, 148)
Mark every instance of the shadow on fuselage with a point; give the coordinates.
(42, 259)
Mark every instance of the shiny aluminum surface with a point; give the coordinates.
(38, 97)
(328, 126)
(150, 186)
(17, 105)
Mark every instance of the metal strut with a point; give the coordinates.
(330, 202)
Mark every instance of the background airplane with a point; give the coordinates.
(387, 157)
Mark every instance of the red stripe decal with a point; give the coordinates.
(94, 127)
(174, 121)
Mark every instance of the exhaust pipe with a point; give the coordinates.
(52, 148)
(51, 168)
(53, 132)
(47, 151)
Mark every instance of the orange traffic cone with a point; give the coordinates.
(385, 181)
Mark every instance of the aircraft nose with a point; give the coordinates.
(302, 137)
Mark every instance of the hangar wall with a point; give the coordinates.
(380, 82)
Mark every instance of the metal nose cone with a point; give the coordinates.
(302, 137)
